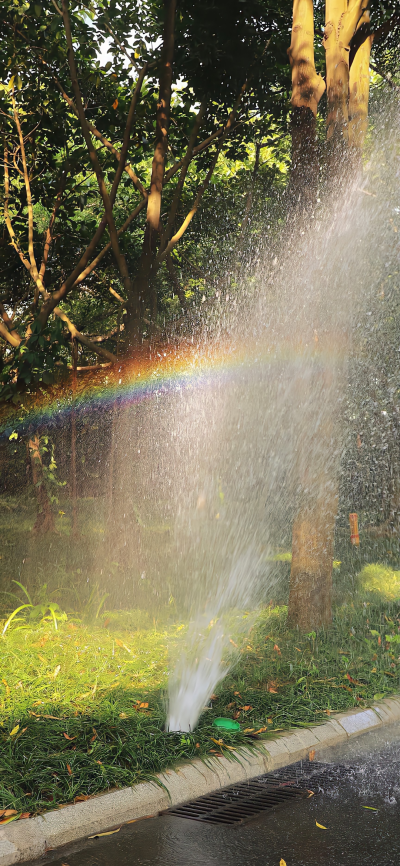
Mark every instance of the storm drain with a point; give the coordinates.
(238, 803)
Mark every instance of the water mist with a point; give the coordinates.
(208, 469)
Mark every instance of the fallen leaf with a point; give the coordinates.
(94, 736)
(246, 708)
(248, 730)
(56, 671)
(276, 648)
(238, 694)
(25, 815)
(298, 650)
(106, 622)
(123, 715)
(7, 820)
(282, 862)
(81, 798)
(310, 794)
(6, 813)
(236, 715)
(261, 730)
(321, 826)
(108, 833)
(69, 738)
(69, 769)
(372, 808)
(234, 644)
(311, 755)
(14, 731)
(115, 105)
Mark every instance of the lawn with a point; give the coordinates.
(82, 707)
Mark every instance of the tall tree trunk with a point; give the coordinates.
(45, 518)
(310, 595)
(358, 98)
(342, 17)
(307, 89)
(140, 296)
(318, 460)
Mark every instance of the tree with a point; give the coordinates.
(347, 40)
(71, 191)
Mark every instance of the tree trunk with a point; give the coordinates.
(45, 518)
(342, 18)
(358, 98)
(310, 596)
(337, 75)
(307, 89)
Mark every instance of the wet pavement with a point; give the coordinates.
(354, 835)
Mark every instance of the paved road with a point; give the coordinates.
(355, 836)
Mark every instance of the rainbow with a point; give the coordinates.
(162, 369)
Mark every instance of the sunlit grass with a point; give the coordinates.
(82, 708)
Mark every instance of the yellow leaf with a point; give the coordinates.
(56, 671)
(372, 808)
(14, 731)
(321, 826)
(109, 833)
(282, 862)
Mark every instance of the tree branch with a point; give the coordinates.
(93, 155)
(162, 118)
(179, 187)
(84, 273)
(174, 240)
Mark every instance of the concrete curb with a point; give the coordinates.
(29, 839)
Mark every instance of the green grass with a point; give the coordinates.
(71, 720)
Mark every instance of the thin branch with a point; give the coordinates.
(179, 187)
(84, 273)
(31, 253)
(127, 167)
(120, 45)
(93, 154)
(76, 335)
(174, 240)
(49, 231)
(175, 282)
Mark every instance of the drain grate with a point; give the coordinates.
(238, 803)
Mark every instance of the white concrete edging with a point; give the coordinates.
(29, 839)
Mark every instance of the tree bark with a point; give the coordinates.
(310, 596)
(342, 17)
(358, 97)
(45, 518)
(307, 89)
